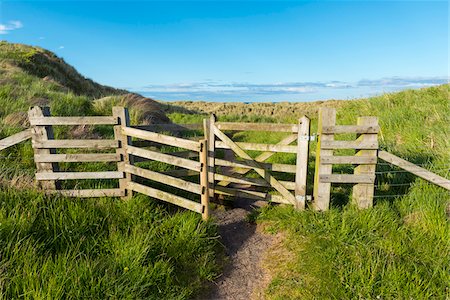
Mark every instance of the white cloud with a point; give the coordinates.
(11, 25)
(61, 47)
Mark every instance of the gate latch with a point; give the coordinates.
(308, 138)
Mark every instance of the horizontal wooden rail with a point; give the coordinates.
(260, 147)
(161, 138)
(88, 193)
(165, 158)
(164, 196)
(357, 160)
(250, 194)
(347, 178)
(252, 181)
(416, 170)
(267, 166)
(97, 157)
(165, 179)
(169, 127)
(181, 173)
(47, 121)
(81, 144)
(273, 127)
(15, 139)
(79, 175)
(349, 145)
(337, 129)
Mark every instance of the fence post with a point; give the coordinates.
(39, 134)
(363, 192)
(302, 162)
(322, 190)
(204, 178)
(123, 118)
(211, 138)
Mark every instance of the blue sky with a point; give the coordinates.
(242, 51)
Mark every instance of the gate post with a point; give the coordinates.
(123, 120)
(302, 162)
(38, 134)
(211, 138)
(204, 178)
(322, 190)
(363, 192)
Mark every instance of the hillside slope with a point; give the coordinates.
(35, 76)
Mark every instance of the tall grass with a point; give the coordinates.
(60, 248)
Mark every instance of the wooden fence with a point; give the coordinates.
(213, 164)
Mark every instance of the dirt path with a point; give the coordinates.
(243, 277)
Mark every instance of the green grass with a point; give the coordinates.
(60, 248)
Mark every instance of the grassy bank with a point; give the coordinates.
(59, 248)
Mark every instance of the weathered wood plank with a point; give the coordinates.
(181, 173)
(204, 178)
(161, 138)
(252, 181)
(321, 201)
(79, 175)
(122, 116)
(251, 195)
(75, 157)
(351, 160)
(266, 166)
(81, 144)
(43, 133)
(211, 138)
(169, 127)
(165, 158)
(185, 154)
(256, 166)
(338, 129)
(273, 127)
(15, 139)
(416, 170)
(362, 194)
(358, 144)
(347, 178)
(46, 121)
(165, 179)
(88, 193)
(260, 147)
(302, 162)
(164, 196)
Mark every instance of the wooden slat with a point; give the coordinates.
(302, 162)
(260, 147)
(79, 175)
(355, 160)
(81, 144)
(211, 138)
(252, 181)
(46, 121)
(346, 178)
(266, 166)
(164, 196)
(369, 145)
(204, 182)
(321, 201)
(273, 127)
(165, 158)
(169, 127)
(181, 173)
(88, 193)
(185, 154)
(161, 138)
(123, 117)
(416, 170)
(15, 139)
(97, 157)
(256, 166)
(251, 195)
(165, 179)
(338, 129)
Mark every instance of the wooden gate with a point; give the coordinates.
(220, 180)
(141, 178)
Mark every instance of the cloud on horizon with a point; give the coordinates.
(212, 89)
(11, 25)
